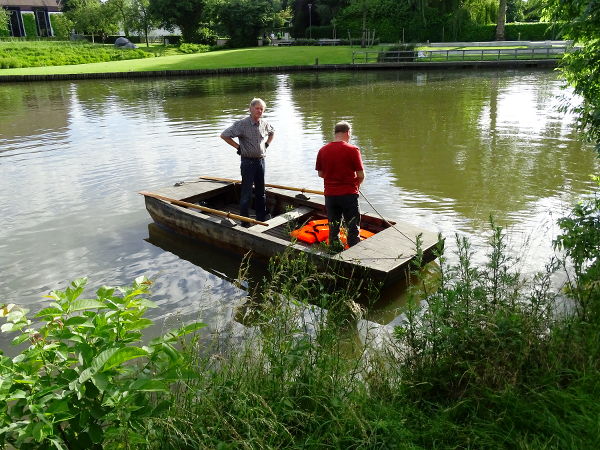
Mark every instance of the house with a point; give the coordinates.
(27, 14)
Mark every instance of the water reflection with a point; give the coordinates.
(443, 151)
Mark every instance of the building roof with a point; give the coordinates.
(52, 5)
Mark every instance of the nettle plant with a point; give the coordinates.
(86, 380)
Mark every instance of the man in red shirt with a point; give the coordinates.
(340, 165)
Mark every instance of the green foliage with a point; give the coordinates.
(581, 243)
(244, 20)
(581, 69)
(482, 331)
(85, 380)
(3, 22)
(478, 33)
(29, 24)
(186, 14)
(61, 26)
(487, 364)
(10, 62)
(193, 48)
(93, 17)
(293, 381)
(139, 18)
(206, 36)
(48, 53)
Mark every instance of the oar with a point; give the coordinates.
(204, 208)
(310, 191)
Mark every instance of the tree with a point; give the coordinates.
(185, 14)
(93, 17)
(533, 10)
(500, 24)
(580, 21)
(514, 11)
(244, 20)
(122, 10)
(140, 19)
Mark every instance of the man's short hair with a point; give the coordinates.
(256, 101)
(342, 127)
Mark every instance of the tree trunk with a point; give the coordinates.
(500, 35)
(364, 28)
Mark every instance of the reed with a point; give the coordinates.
(484, 362)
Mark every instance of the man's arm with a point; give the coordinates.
(231, 142)
(270, 138)
(360, 174)
(321, 173)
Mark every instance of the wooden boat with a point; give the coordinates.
(206, 209)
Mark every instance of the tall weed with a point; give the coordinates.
(484, 329)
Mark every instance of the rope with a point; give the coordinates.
(383, 218)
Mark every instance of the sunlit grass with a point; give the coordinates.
(247, 57)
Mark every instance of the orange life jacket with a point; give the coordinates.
(313, 231)
(318, 231)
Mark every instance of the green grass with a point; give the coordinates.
(62, 57)
(54, 53)
(247, 57)
(486, 366)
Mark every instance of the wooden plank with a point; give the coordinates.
(277, 221)
(389, 248)
(217, 212)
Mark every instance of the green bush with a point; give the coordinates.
(29, 25)
(61, 26)
(482, 331)
(581, 243)
(514, 31)
(85, 380)
(206, 36)
(477, 33)
(52, 53)
(540, 31)
(10, 63)
(193, 48)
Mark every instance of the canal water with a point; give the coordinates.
(442, 150)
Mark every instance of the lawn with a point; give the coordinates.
(247, 57)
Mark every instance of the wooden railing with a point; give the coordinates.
(480, 54)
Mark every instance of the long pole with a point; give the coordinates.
(288, 188)
(218, 212)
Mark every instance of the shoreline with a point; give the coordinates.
(524, 63)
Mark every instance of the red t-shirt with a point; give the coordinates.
(339, 162)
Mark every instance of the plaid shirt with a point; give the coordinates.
(252, 136)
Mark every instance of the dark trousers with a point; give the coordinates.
(346, 207)
(253, 174)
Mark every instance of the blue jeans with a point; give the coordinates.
(345, 206)
(253, 174)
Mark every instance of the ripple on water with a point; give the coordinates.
(442, 151)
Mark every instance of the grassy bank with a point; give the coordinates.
(248, 57)
(63, 58)
(490, 360)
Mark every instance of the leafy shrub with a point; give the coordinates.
(206, 36)
(61, 26)
(49, 53)
(540, 31)
(483, 330)
(29, 25)
(581, 243)
(10, 63)
(85, 380)
(193, 48)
